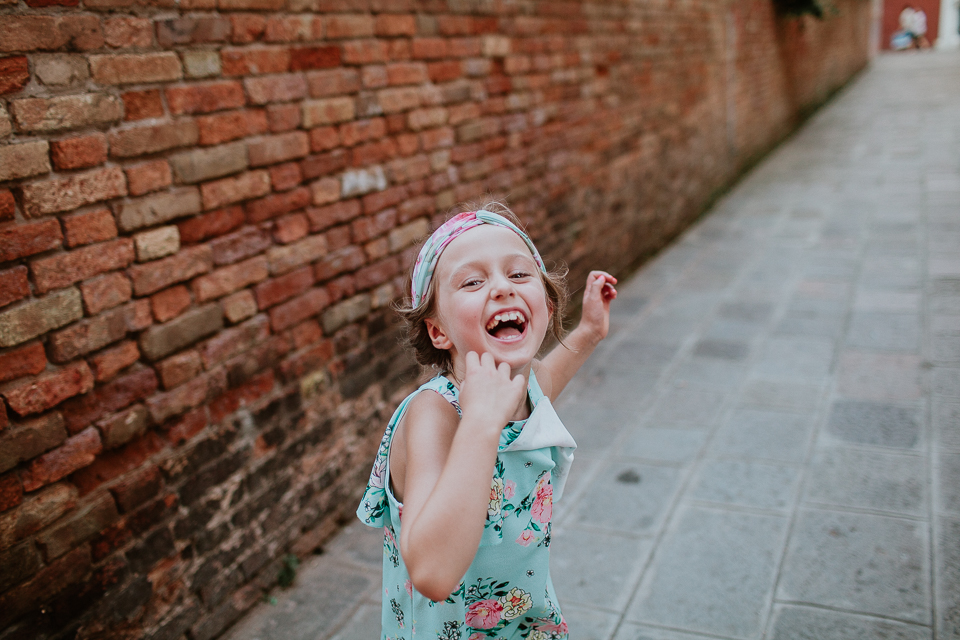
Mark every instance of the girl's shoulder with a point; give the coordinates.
(434, 405)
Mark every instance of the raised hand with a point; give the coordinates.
(596, 303)
(489, 390)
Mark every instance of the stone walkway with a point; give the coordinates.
(770, 438)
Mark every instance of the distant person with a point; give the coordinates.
(919, 30)
(904, 38)
(473, 460)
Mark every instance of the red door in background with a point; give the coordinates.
(891, 18)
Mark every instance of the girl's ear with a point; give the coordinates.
(437, 335)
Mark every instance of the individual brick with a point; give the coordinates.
(279, 148)
(48, 390)
(277, 204)
(333, 82)
(234, 340)
(157, 243)
(64, 269)
(293, 28)
(26, 441)
(239, 245)
(280, 88)
(105, 292)
(28, 360)
(239, 306)
(38, 316)
(324, 138)
(323, 217)
(245, 186)
(6, 127)
(135, 68)
(158, 208)
(201, 389)
(137, 489)
(315, 57)
(139, 141)
(289, 257)
(340, 261)
(11, 491)
(408, 234)
(170, 303)
(8, 206)
(252, 5)
(50, 33)
(123, 427)
(63, 573)
(66, 194)
(140, 105)
(228, 279)
(162, 340)
(91, 334)
(205, 97)
(328, 111)
(231, 125)
(179, 368)
(148, 176)
(109, 362)
(253, 61)
(115, 395)
(192, 29)
(285, 176)
(24, 160)
(13, 286)
(78, 527)
(210, 225)
(325, 191)
(89, 227)
(283, 117)
(299, 309)
(63, 113)
(291, 228)
(60, 70)
(153, 276)
(365, 51)
(345, 312)
(127, 32)
(77, 452)
(201, 64)
(277, 290)
(38, 511)
(395, 24)
(14, 74)
(81, 152)
(199, 165)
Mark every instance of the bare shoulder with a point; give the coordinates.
(544, 378)
(423, 438)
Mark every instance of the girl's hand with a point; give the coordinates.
(490, 391)
(597, 296)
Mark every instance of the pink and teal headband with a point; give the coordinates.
(430, 252)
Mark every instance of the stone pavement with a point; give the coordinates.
(769, 440)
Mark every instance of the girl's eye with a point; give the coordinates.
(471, 283)
(520, 274)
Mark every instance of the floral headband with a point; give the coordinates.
(430, 252)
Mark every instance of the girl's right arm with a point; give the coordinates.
(449, 468)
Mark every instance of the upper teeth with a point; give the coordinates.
(516, 316)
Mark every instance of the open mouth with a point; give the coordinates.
(507, 325)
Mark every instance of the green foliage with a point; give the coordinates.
(288, 572)
(799, 7)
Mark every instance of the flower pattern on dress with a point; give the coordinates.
(515, 603)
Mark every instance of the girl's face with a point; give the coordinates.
(490, 299)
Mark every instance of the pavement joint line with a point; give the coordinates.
(878, 616)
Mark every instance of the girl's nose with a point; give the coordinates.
(501, 287)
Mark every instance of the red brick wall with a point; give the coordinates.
(207, 207)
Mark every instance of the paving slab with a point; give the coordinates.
(809, 623)
(948, 579)
(864, 479)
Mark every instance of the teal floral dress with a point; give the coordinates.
(506, 593)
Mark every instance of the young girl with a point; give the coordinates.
(471, 462)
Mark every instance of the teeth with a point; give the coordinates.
(514, 316)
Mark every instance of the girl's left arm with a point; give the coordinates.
(560, 365)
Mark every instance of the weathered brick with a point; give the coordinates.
(209, 225)
(333, 82)
(138, 488)
(239, 306)
(38, 316)
(157, 243)
(135, 68)
(28, 360)
(89, 227)
(8, 206)
(299, 309)
(375, 202)
(160, 341)
(196, 28)
(6, 127)
(289, 257)
(50, 33)
(24, 160)
(105, 292)
(204, 388)
(316, 57)
(365, 51)
(206, 97)
(224, 127)
(109, 362)
(328, 111)
(11, 491)
(159, 208)
(228, 279)
(340, 261)
(324, 138)
(395, 100)
(151, 277)
(234, 340)
(39, 510)
(280, 289)
(291, 228)
(283, 117)
(60, 70)
(65, 572)
(148, 176)
(325, 191)
(78, 527)
(285, 176)
(48, 390)
(117, 394)
(123, 427)
(395, 24)
(201, 64)
(80, 152)
(279, 148)
(15, 74)
(77, 452)
(179, 368)
(355, 25)
(126, 32)
(374, 76)
(13, 286)
(323, 217)
(66, 268)
(62, 113)
(129, 143)
(91, 334)
(115, 463)
(254, 61)
(203, 164)
(345, 312)
(293, 28)
(278, 204)
(140, 105)
(66, 194)
(280, 88)
(170, 303)
(245, 186)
